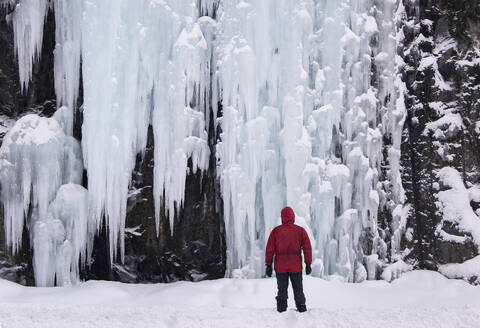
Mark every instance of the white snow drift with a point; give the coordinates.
(417, 299)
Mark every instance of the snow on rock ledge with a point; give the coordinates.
(454, 203)
(469, 270)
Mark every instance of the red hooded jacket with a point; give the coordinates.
(286, 243)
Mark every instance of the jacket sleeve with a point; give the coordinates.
(270, 251)
(307, 248)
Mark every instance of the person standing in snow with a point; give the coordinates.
(286, 243)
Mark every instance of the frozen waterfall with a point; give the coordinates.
(303, 125)
(303, 92)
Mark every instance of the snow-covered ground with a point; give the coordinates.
(417, 299)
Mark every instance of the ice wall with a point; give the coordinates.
(308, 92)
(303, 125)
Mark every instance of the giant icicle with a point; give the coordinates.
(130, 73)
(28, 20)
(67, 56)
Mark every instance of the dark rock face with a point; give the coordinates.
(441, 77)
(18, 267)
(40, 96)
(195, 250)
(9, 85)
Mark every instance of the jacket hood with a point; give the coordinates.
(288, 216)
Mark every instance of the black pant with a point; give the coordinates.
(282, 284)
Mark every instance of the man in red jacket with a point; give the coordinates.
(286, 243)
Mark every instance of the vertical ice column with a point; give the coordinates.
(116, 108)
(323, 125)
(262, 79)
(146, 63)
(391, 90)
(242, 150)
(28, 20)
(338, 194)
(262, 73)
(293, 35)
(207, 86)
(178, 118)
(368, 112)
(68, 16)
(362, 147)
(61, 239)
(47, 237)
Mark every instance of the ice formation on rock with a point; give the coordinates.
(144, 68)
(63, 240)
(36, 158)
(301, 123)
(28, 19)
(68, 17)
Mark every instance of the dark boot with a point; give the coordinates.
(281, 305)
(301, 307)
